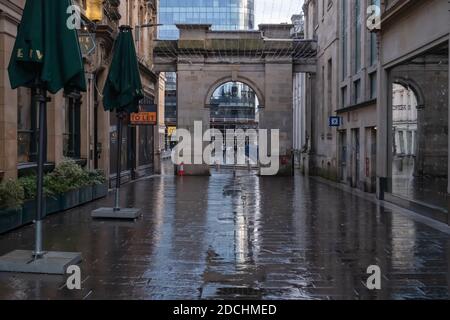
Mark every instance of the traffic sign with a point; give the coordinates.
(335, 122)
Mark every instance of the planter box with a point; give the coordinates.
(10, 220)
(29, 211)
(53, 204)
(99, 191)
(70, 199)
(86, 195)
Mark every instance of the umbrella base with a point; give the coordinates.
(111, 213)
(22, 261)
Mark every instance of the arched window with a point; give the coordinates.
(234, 100)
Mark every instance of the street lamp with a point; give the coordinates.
(94, 10)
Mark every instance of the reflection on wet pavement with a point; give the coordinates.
(240, 236)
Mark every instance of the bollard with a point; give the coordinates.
(181, 170)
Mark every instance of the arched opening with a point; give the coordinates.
(419, 150)
(234, 107)
(404, 139)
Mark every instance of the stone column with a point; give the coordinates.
(160, 126)
(87, 122)
(103, 128)
(55, 128)
(191, 108)
(8, 100)
(384, 132)
(277, 113)
(448, 83)
(448, 151)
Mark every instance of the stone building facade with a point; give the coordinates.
(360, 70)
(77, 125)
(414, 53)
(318, 155)
(344, 87)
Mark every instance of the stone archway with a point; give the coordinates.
(421, 175)
(414, 86)
(265, 60)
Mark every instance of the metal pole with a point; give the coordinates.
(40, 97)
(119, 160)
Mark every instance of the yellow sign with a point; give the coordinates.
(171, 131)
(143, 118)
(94, 10)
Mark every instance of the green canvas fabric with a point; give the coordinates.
(123, 87)
(46, 50)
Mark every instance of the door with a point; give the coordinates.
(356, 158)
(343, 156)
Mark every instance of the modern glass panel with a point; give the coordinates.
(26, 127)
(221, 14)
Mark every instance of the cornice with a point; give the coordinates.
(12, 6)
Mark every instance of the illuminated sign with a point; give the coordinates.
(143, 118)
(171, 131)
(147, 114)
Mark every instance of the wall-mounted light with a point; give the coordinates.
(94, 10)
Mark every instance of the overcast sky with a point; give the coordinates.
(276, 11)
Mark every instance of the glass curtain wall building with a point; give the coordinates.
(221, 14)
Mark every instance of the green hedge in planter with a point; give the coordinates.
(67, 182)
(12, 195)
(11, 200)
(66, 187)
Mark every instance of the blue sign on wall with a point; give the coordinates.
(335, 122)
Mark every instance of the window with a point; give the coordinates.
(373, 41)
(315, 15)
(344, 97)
(330, 86)
(27, 132)
(147, 133)
(357, 35)
(344, 38)
(71, 146)
(323, 112)
(146, 142)
(373, 85)
(357, 91)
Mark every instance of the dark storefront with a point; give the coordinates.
(137, 144)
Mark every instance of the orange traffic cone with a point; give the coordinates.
(181, 170)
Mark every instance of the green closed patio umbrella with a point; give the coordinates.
(46, 52)
(122, 93)
(47, 57)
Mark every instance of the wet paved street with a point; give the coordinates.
(239, 237)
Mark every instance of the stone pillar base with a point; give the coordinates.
(195, 170)
(286, 169)
(157, 164)
(382, 184)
